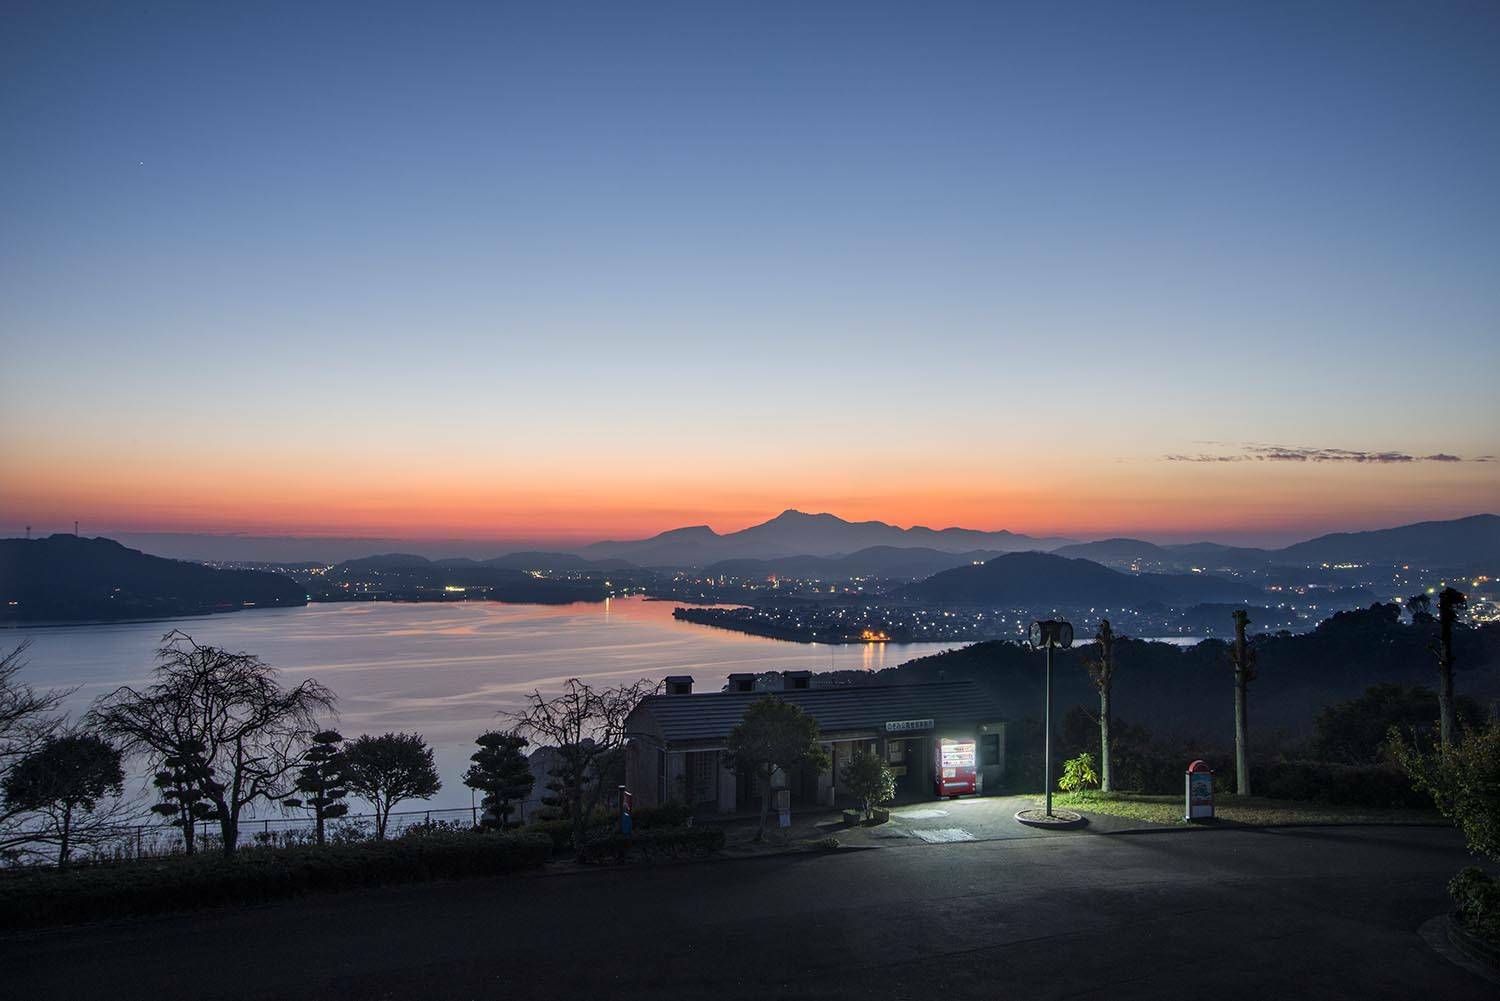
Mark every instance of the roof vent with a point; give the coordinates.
(741, 683)
(680, 684)
(797, 679)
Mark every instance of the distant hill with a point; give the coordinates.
(794, 533)
(1114, 550)
(510, 561)
(386, 561)
(402, 577)
(894, 562)
(1179, 690)
(1035, 579)
(1461, 542)
(64, 577)
(555, 561)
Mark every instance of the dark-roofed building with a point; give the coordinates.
(676, 742)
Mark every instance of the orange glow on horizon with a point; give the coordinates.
(583, 502)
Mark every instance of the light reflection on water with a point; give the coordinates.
(441, 669)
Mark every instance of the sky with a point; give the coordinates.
(568, 272)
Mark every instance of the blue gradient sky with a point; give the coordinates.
(555, 270)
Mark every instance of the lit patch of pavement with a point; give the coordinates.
(942, 835)
(920, 814)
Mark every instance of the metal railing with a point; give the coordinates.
(141, 841)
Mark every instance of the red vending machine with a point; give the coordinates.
(954, 773)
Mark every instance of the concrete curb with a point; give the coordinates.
(1434, 931)
(1232, 825)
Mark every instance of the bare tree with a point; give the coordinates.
(1449, 601)
(1244, 673)
(224, 712)
(28, 719)
(587, 726)
(1102, 671)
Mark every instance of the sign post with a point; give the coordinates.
(1046, 635)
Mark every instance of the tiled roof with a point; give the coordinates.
(853, 707)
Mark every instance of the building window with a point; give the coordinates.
(989, 749)
(895, 751)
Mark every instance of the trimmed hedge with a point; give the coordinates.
(89, 893)
(655, 842)
(561, 831)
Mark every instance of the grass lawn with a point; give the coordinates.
(1232, 809)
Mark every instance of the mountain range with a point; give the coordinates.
(794, 533)
(1462, 542)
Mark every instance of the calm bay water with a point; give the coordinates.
(443, 670)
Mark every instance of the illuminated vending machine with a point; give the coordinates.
(955, 772)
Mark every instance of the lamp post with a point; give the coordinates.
(1046, 635)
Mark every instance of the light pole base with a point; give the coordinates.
(1058, 820)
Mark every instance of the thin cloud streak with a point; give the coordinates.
(1283, 453)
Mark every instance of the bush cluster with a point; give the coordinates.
(669, 814)
(561, 831)
(1477, 895)
(1379, 786)
(656, 842)
(86, 893)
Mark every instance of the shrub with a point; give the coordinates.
(1078, 774)
(669, 814)
(87, 893)
(561, 831)
(652, 843)
(1477, 895)
(870, 779)
(436, 829)
(1464, 781)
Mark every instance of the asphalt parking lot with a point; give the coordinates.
(972, 818)
(1302, 912)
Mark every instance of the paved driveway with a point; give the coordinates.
(982, 818)
(1307, 912)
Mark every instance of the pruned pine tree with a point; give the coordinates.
(320, 781)
(501, 772)
(186, 788)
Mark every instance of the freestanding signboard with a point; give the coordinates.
(1199, 792)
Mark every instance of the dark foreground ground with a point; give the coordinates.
(1298, 912)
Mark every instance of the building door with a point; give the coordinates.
(702, 777)
(908, 760)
